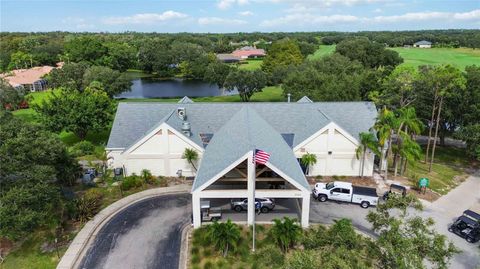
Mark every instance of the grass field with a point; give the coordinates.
(322, 51)
(459, 58)
(251, 64)
(415, 57)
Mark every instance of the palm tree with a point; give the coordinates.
(409, 151)
(367, 142)
(308, 160)
(224, 235)
(384, 126)
(407, 124)
(191, 156)
(285, 232)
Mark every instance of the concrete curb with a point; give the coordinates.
(184, 249)
(82, 241)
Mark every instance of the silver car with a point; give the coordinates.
(265, 204)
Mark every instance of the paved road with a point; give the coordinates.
(145, 235)
(444, 211)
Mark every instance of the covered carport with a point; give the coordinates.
(228, 169)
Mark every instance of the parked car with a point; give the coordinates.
(208, 213)
(265, 204)
(345, 192)
(467, 226)
(397, 189)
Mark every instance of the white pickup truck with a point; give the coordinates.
(345, 192)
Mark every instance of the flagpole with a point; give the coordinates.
(254, 204)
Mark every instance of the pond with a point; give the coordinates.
(155, 88)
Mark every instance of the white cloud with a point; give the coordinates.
(430, 16)
(303, 19)
(145, 18)
(311, 19)
(78, 23)
(225, 4)
(472, 15)
(245, 13)
(378, 10)
(219, 21)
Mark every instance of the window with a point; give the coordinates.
(346, 191)
(329, 185)
(338, 190)
(205, 137)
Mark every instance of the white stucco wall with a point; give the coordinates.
(341, 160)
(160, 152)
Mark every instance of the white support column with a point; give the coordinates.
(329, 159)
(250, 189)
(197, 220)
(305, 210)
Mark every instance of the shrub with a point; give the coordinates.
(307, 259)
(195, 259)
(130, 182)
(208, 265)
(148, 177)
(88, 205)
(82, 148)
(162, 182)
(269, 256)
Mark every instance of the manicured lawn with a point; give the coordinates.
(251, 64)
(415, 57)
(268, 94)
(449, 169)
(33, 98)
(322, 51)
(459, 58)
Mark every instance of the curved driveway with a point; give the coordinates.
(147, 234)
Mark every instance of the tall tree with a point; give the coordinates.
(332, 78)
(216, 73)
(70, 76)
(246, 82)
(77, 112)
(385, 126)
(370, 54)
(398, 88)
(407, 124)
(367, 142)
(284, 52)
(85, 48)
(34, 163)
(406, 240)
(443, 81)
(10, 98)
(112, 81)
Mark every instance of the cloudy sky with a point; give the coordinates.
(237, 15)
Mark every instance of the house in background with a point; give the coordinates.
(249, 52)
(228, 58)
(30, 79)
(423, 44)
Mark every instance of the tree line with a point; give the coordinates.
(130, 50)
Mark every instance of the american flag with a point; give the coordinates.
(261, 156)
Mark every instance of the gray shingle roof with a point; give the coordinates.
(185, 100)
(134, 120)
(245, 131)
(423, 42)
(305, 99)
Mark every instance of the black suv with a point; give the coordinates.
(467, 226)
